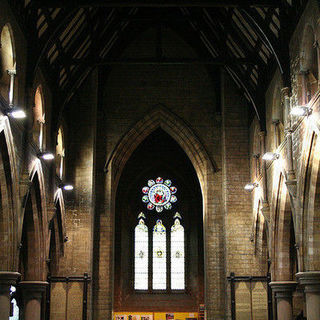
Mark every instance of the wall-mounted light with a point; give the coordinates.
(46, 155)
(301, 111)
(251, 186)
(67, 187)
(271, 156)
(16, 113)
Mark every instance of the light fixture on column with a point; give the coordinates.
(46, 155)
(251, 186)
(65, 186)
(16, 112)
(301, 111)
(271, 156)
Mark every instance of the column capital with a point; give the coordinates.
(310, 280)
(283, 289)
(33, 289)
(9, 277)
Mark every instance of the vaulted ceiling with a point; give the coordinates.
(69, 38)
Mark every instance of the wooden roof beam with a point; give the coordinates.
(156, 3)
(167, 61)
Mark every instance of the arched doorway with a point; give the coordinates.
(158, 155)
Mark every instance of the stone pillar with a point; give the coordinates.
(311, 282)
(283, 294)
(32, 293)
(7, 279)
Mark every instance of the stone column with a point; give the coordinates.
(311, 282)
(7, 279)
(32, 293)
(283, 294)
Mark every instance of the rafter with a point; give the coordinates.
(85, 67)
(238, 37)
(52, 32)
(234, 71)
(266, 37)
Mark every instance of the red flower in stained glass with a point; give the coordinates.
(158, 198)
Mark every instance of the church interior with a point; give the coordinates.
(159, 160)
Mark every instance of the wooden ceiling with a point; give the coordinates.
(69, 38)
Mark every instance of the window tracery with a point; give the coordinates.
(167, 260)
(141, 256)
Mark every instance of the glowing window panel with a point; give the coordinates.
(141, 256)
(177, 257)
(159, 257)
(15, 315)
(159, 194)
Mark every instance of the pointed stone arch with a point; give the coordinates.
(176, 128)
(311, 207)
(306, 203)
(209, 178)
(34, 233)
(9, 197)
(283, 235)
(57, 231)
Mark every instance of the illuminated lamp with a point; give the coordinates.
(270, 156)
(251, 186)
(46, 155)
(301, 111)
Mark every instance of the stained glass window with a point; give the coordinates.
(15, 315)
(177, 256)
(141, 256)
(159, 194)
(159, 258)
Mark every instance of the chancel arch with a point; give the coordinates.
(153, 168)
(161, 118)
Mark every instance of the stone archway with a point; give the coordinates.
(9, 198)
(213, 231)
(311, 209)
(283, 236)
(34, 232)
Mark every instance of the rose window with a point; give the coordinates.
(159, 194)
